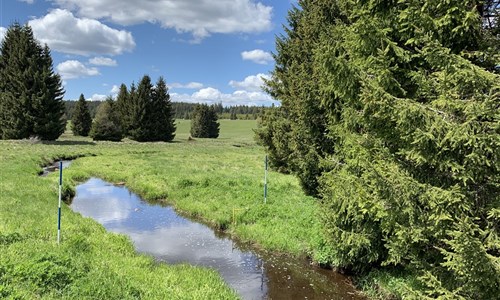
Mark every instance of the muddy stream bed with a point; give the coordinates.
(159, 231)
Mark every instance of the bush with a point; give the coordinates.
(106, 125)
(204, 122)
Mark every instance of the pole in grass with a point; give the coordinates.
(59, 209)
(265, 181)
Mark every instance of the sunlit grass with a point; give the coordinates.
(217, 181)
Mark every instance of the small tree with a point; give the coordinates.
(81, 121)
(106, 124)
(204, 122)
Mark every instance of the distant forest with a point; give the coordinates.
(185, 110)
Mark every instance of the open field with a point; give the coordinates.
(208, 179)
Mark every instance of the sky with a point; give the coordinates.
(208, 51)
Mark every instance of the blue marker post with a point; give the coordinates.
(265, 182)
(60, 197)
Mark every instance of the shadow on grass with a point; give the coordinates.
(68, 143)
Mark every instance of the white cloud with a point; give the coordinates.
(257, 56)
(207, 94)
(190, 85)
(97, 97)
(211, 95)
(3, 31)
(200, 18)
(115, 90)
(103, 61)
(253, 83)
(72, 69)
(27, 1)
(63, 32)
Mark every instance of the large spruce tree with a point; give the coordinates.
(161, 114)
(146, 112)
(140, 101)
(396, 112)
(295, 83)
(124, 105)
(204, 122)
(81, 121)
(30, 92)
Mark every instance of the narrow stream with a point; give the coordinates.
(54, 166)
(159, 231)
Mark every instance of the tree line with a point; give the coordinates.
(390, 115)
(184, 110)
(143, 113)
(69, 107)
(32, 106)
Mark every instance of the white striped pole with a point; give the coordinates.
(59, 210)
(265, 183)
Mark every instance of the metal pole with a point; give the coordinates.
(59, 210)
(265, 183)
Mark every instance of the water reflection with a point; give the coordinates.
(54, 167)
(168, 237)
(107, 205)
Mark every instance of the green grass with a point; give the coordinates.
(390, 283)
(212, 180)
(231, 130)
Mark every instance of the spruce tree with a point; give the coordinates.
(140, 101)
(204, 122)
(81, 121)
(30, 92)
(146, 113)
(295, 83)
(123, 106)
(161, 114)
(395, 110)
(106, 125)
(48, 106)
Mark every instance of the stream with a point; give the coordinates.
(160, 232)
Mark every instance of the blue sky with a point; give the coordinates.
(207, 51)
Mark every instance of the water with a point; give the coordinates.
(55, 166)
(159, 231)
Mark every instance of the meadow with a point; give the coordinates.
(219, 182)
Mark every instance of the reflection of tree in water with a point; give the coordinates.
(167, 236)
(292, 278)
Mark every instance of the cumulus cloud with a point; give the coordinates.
(200, 18)
(103, 61)
(72, 69)
(115, 90)
(257, 56)
(190, 85)
(252, 83)
(211, 95)
(64, 32)
(208, 94)
(3, 31)
(97, 97)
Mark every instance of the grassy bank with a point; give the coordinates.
(213, 180)
(89, 263)
(219, 181)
